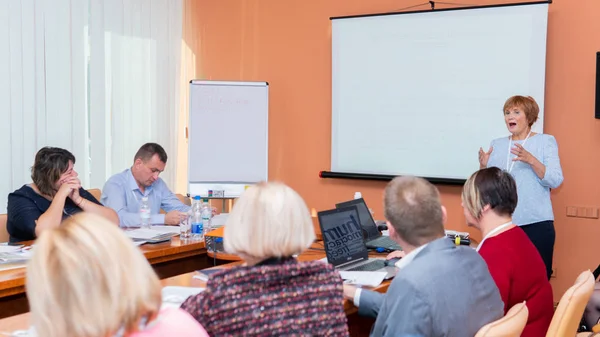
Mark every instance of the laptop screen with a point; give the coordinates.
(342, 235)
(366, 220)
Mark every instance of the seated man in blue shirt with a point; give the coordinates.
(124, 191)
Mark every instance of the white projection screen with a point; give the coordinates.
(418, 93)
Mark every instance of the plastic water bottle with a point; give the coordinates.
(145, 213)
(206, 216)
(196, 219)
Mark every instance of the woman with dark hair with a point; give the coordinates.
(54, 195)
(489, 199)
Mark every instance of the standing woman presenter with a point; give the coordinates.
(532, 159)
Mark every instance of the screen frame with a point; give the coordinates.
(371, 226)
(363, 254)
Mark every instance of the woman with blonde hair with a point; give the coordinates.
(87, 279)
(272, 294)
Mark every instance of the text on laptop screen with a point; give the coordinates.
(342, 235)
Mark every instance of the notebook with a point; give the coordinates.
(372, 237)
(155, 235)
(344, 245)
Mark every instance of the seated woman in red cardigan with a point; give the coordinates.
(272, 293)
(489, 198)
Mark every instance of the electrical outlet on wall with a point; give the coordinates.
(583, 212)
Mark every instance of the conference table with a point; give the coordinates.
(170, 258)
(359, 326)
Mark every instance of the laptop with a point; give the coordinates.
(373, 239)
(344, 245)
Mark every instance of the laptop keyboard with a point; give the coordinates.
(385, 242)
(371, 266)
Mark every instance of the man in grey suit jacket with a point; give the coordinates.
(441, 289)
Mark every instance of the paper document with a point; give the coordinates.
(21, 333)
(166, 229)
(140, 233)
(173, 296)
(12, 265)
(10, 249)
(204, 274)
(16, 256)
(138, 242)
(219, 220)
(364, 278)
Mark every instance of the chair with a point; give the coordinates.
(595, 332)
(570, 308)
(4, 236)
(511, 325)
(96, 193)
(184, 199)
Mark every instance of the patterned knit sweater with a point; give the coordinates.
(282, 298)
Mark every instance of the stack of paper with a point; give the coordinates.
(154, 233)
(14, 253)
(13, 257)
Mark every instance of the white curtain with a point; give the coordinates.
(42, 85)
(135, 57)
(97, 77)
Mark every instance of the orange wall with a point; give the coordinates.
(287, 43)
